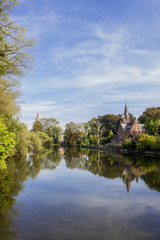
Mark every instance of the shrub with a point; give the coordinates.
(156, 146)
(128, 144)
(145, 143)
(36, 143)
(46, 140)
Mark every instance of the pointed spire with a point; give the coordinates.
(126, 113)
(37, 118)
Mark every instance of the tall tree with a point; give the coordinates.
(152, 126)
(14, 46)
(8, 96)
(15, 57)
(152, 113)
(110, 123)
(37, 126)
(6, 144)
(71, 132)
(96, 128)
(48, 122)
(50, 126)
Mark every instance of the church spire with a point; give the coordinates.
(126, 113)
(37, 118)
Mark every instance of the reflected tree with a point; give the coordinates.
(45, 159)
(152, 179)
(7, 213)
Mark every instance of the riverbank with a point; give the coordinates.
(118, 149)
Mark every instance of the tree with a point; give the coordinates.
(15, 57)
(37, 126)
(6, 144)
(54, 132)
(15, 53)
(145, 143)
(152, 127)
(96, 128)
(152, 113)
(46, 140)
(110, 136)
(49, 126)
(48, 122)
(72, 129)
(110, 123)
(8, 96)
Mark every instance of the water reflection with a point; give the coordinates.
(125, 169)
(112, 165)
(12, 183)
(7, 213)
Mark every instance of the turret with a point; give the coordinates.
(125, 118)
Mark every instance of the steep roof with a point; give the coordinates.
(126, 113)
(127, 126)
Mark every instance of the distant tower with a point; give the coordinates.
(37, 118)
(125, 118)
(126, 113)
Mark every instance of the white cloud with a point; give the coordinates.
(104, 65)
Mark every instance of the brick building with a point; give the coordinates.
(128, 127)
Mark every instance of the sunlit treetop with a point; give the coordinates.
(15, 55)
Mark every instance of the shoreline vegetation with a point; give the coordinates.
(118, 149)
(15, 139)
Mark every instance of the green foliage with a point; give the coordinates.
(8, 96)
(152, 179)
(15, 47)
(48, 122)
(145, 143)
(110, 122)
(84, 141)
(6, 143)
(93, 140)
(107, 139)
(49, 126)
(22, 135)
(110, 136)
(156, 146)
(96, 128)
(152, 113)
(23, 144)
(47, 141)
(152, 127)
(5, 197)
(72, 141)
(55, 132)
(36, 143)
(37, 126)
(3, 165)
(71, 133)
(15, 57)
(128, 144)
(13, 124)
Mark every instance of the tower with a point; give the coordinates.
(37, 118)
(126, 113)
(125, 118)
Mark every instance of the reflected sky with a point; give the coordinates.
(65, 203)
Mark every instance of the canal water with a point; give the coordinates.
(80, 194)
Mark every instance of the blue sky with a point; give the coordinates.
(90, 56)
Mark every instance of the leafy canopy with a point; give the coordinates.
(15, 57)
(6, 143)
